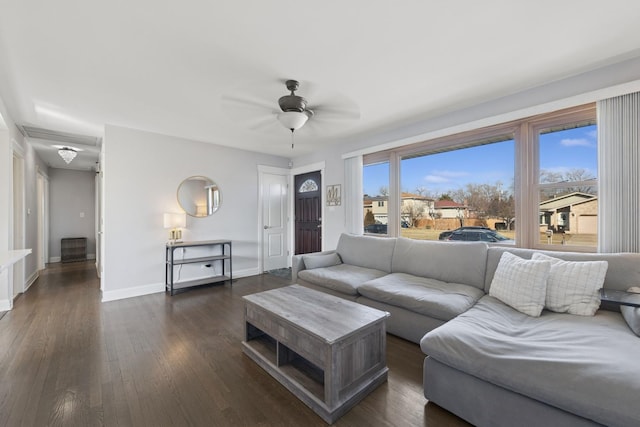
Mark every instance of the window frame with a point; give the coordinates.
(525, 133)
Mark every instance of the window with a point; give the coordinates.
(469, 186)
(532, 181)
(376, 195)
(567, 184)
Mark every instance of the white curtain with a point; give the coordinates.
(354, 217)
(619, 174)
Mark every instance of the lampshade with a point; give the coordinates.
(175, 220)
(67, 154)
(293, 120)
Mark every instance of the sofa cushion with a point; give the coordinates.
(431, 297)
(453, 262)
(573, 286)
(521, 283)
(321, 260)
(583, 365)
(343, 278)
(366, 251)
(623, 271)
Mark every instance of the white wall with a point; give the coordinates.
(71, 209)
(142, 172)
(9, 135)
(602, 83)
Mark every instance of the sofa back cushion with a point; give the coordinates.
(455, 262)
(623, 268)
(366, 251)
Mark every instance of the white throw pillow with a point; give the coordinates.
(521, 283)
(321, 260)
(573, 285)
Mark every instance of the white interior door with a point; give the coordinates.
(274, 221)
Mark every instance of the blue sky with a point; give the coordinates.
(444, 172)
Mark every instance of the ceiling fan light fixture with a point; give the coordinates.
(67, 154)
(293, 120)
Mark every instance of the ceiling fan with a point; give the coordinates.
(319, 111)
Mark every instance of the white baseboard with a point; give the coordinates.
(31, 280)
(132, 292)
(55, 259)
(158, 287)
(5, 305)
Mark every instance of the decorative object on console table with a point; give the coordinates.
(175, 221)
(208, 261)
(73, 249)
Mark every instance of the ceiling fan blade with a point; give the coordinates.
(263, 123)
(337, 112)
(233, 101)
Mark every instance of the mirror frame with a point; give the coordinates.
(212, 200)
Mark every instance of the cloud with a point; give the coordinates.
(592, 134)
(436, 179)
(576, 142)
(442, 176)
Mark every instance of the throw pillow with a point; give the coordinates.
(573, 285)
(632, 314)
(521, 283)
(321, 261)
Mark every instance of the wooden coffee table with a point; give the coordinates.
(329, 352)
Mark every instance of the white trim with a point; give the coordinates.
(31, 280)
(136, 291)
(5, 305)
(54, 259)
(547, 107)
(156, 288)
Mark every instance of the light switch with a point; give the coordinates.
(81, 214)
(28, 211)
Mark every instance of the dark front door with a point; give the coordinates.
(308, 198)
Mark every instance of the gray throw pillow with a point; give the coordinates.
(321, 261)
(632, 314)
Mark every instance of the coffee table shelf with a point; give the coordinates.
(329, 352)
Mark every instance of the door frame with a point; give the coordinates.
(319, 166)
(271, 170)
(18, 227)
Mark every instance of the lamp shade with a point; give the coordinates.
(293, 120)
(175, 220)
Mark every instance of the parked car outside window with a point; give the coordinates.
(376, 228)
(445, 234)
(488, 236)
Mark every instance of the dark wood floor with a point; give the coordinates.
(68, 359)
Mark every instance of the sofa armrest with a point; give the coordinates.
(297, 264)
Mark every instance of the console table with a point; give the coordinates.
(223, 259)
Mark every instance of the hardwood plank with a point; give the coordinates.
(68, 359)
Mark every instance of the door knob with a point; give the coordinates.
(266, 227)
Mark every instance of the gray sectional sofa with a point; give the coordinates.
(487, 362)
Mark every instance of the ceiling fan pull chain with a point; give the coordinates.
(292, 139)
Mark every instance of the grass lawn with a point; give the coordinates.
(569, 239)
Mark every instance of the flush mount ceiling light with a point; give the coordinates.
(67, 154)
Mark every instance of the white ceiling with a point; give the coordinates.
(170, 67)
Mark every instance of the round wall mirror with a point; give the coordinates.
(199, 196)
